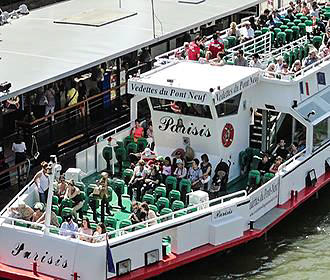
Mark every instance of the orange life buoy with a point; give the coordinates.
(227, 135)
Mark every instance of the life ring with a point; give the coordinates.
(14, 101)
(227, 135)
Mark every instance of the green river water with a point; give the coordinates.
(297, 248)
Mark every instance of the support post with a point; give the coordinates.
(264, 140)
(153, 18)
(50, 195)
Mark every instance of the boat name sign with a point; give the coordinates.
(222, 213)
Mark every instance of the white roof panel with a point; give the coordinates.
(34, 50)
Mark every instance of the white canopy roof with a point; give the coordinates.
(34, 50)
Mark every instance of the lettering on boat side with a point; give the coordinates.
(235, 88)
(169, 93)
(222, 213)
(44, 257)
(264, 197)
(168, 124)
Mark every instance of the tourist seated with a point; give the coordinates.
(218, 61)
(263, 18)
(85, 229)
(253, 23)
(279, 64)
(274, 19)
(270, 71)
(218, 185)
(148, 154)
(240, 60)
(194, 175)
(292, 7)
(285, 72)
(255, 62)
(135, 216)
(69, 227)
(293, 150)
(247, 32)
(280, 150)
(234, 31)
(73, 194)
(151, 181)
(206, 168)
(61, 188)
(149, 214)
(99, 234)
(305, 9)
(276, 165)
(180, 171)
(264, 164)
(177, 154)
(150, 136)
(315, 10)
(38, 211)
(137, 131)
(216, 47)
(184, 53)
(22, 211)
(296, 67)
(312, 58)
(53, 219)
(298, 6)
(207, 59)
(194, 49)
(290, 15)
(325, 50)
(167, 168)
(137, 180)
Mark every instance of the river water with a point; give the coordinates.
(297, 248)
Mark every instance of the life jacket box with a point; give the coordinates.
(74, 174)
(199, 197)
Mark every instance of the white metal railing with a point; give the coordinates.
(290, 160)
(115, 130)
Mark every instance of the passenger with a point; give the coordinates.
(234, 31)
(247, 32)
(276, 165)
(217, 62)
(293, 8)
(167, 168)
(136, 211)
(270, 71)
(61, 188)
(206, 168)
(69, 227)
(207, 58)
(263, 18)
(194, 49)
(180, 171)
(149, 214)
(255, 62)
(305, 9)
(290, 15)
(279, 64)
(216, 47)
(219, 184)
(38, 211)
(22, 211)
(312, 58)
(72, 94)
(296, 67)
(41, 179)
(315, 10)
(73, 194)
(150, 136)
(252, 21)
(184, 53)
(137, 180)
(326, 36)
(240, 60)
(293, 150)
(99, 234)
(137, 131)
(285, 71)
(194, 175)
(325, 50)
(280, 150)
(19, 148)
(53, 219)
(152, 180)
(264, 164)
(86, 230)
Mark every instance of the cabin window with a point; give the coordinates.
(179, 107)
(321, 133)
(143, 111)
(229, 107)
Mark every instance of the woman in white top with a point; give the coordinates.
(19, 148)
(41, 179)
(86, 230)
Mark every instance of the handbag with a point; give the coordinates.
(97, 190)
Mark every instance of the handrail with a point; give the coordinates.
(14, 167)
(100, 138)
(286, 163)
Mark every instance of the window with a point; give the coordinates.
(229, 107)
(143, 111)
(179, 107)
(321, 133)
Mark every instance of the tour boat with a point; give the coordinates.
(231, 113)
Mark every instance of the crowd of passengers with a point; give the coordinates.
(213, 52)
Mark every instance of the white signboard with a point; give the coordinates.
(264, 199)
(223, 213)
(233, 89)
(168, 92)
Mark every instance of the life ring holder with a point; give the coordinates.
(227, 136)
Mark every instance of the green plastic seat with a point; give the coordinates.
(225, 43)
(54, 200)
(111, 222)
(107, 155)
(231, 41)
(276, 31)
(66, 203)
(285, 21)
(159, 192)
(66, 211)
(278, 24)
(148, 198)
(162, 202)
(283, 27)
(80, 185)
(272, 37)
(60, 220)
(295, 32)
(119, 184)
(93, 226)
(257, 33)
(306, 50)
(139, 227)
(177, 205)
(290, 24)
(127, 140)
(299, 15)
(302, 29)
(296, 54)
(110, 229)
(289, 35)
(254, 177)
(54, 230)
(191, 210)
(20, 224)
(142, 143)
(267, 177)
(303, 18)
(297, 21)
(180, 214)
(281, 38)
(317, 41)
(131, 148)
(174, 195)
(125, 223)
(120, 144)
(163, 212)
(121, 156)
(55, 208)
(185, 183)
(264, 30)
(301, 53)
(327, 15)
(127, 175)
(153, 208)
(171, 182)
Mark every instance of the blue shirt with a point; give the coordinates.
(68, 228)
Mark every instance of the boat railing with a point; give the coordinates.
(18, 222)
(177, 213)
(111, 132)
(295, 157)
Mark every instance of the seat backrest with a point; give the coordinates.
(142, 144)
(162, 202)
(66, 211)
(153, 207)
(159, 192)
(66, 203)
(165, 211)
(254, 177)
(55, 200)
(120, 154)
(107, 153)
(125, 223)
(111, 222)
(127, 175)
(171, 181)
(55, 208)
(118, 183)
(185, 183)
(148, 198)
(131, 148)
(177, 204)
(174, 195)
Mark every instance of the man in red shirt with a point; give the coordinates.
(194, 49)
(215, 46)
